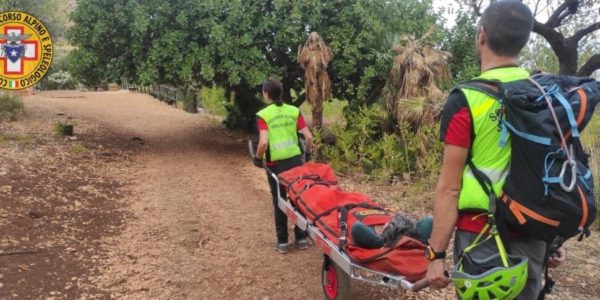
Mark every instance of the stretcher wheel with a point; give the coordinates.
(336, 283)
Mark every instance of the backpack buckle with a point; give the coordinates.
(568, 188)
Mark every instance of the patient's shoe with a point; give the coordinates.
(302, 244)
(282, 248)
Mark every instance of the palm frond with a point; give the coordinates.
(314, 56)
(414, 90)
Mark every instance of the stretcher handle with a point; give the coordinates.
(423, 283)
(252, 154)
(419, 285)
(251, 149)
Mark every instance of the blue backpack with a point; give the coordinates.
(549, 191)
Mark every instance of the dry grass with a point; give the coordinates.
(24, 140)
(78, 148)
(10, 106)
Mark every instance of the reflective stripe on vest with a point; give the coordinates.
(487, 154)
(282, 122)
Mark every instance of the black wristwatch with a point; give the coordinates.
(431, 255)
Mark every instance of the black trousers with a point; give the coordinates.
(280, 216)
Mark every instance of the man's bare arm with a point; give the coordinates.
(445, 209)
(445, 206)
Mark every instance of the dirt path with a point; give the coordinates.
(201, 225)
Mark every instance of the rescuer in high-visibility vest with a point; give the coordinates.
(279, 150)
(470, 132)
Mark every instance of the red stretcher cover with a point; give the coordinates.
(313, 189)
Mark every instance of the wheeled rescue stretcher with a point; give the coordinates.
(401, 266)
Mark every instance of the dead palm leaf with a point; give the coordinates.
(314, 56)
(413, 93)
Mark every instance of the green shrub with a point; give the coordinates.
(241, 113)
(333, 111)
(355, 143)
(10, 106)
(214, 100)
(61, 128)
(362, 146)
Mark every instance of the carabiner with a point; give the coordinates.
(571, 186)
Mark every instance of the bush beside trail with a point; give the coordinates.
(10, 106)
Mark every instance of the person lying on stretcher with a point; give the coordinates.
(374, 237)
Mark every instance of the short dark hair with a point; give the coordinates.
(274, 89)
(507, 24)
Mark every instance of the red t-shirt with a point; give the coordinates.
(262, 125)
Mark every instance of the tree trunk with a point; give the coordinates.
(567, 56)
(317, 115)
(566, 49)
(567, 61)
(590, 66)
(190, 100)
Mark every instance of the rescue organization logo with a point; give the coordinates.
(25, 50)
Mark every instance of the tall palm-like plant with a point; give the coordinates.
(413, 93)
(314, 56)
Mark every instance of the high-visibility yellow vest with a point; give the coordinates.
(282, 122)
(487, 154)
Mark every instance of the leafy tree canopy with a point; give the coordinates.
(460, 42)
(238, 44)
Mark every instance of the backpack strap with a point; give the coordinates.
(549, 282)
(488, 87)
(556, 93)
(486, 184)
(570, 161)
(492, 89)
(495, 218)
(582, 109)
(582, 106)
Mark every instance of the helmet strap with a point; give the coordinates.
(488, 188)
(492, 232)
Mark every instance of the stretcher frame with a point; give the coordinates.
(331, 250)
(342, 260)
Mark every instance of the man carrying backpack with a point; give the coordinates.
(472, 136)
